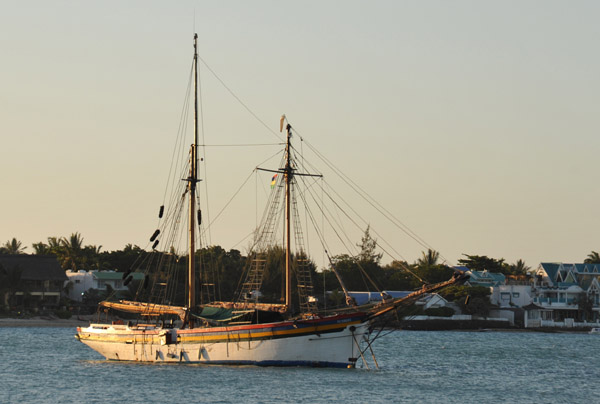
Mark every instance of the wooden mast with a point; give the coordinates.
(288, 181)
(192, 180)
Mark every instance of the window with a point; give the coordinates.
(516, 294)
(505, 296)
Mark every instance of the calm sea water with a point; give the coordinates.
(47, 365)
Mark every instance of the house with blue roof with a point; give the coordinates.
(376, 297)
(506, 295)
(485, 278)
(430, 300)
(567, 293)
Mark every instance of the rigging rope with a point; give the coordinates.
(363, 271)
(183, 122)
(240, 101)
(204, 153)
(228, 203)
(357, 189)
(376, 205)
(340, 209)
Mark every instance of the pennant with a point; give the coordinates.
(281, 123)
(273, 181)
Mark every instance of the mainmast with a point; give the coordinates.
(255, 274)
(192, 181)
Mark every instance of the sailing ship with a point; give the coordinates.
(248, 331)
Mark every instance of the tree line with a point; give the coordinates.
(224, 269)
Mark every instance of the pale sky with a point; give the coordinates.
(474, 122)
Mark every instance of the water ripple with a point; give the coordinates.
(47, 365)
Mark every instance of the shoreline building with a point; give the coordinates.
(32, 280)
(566, 293)
(81, 281)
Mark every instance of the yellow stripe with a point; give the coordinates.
(222, 336)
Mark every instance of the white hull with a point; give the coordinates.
(331, 344)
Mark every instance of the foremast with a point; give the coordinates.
(155, 309)
(192, 181)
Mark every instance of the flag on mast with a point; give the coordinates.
(281, 123)
(273, 181)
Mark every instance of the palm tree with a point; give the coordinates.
(54, 243)
(91, 256)
(593, 258)
(429, 258)
(13, 247)
(519, 268)
(54, 247)
(41, 248)
(74, 242)
(72, 249)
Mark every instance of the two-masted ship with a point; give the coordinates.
(247, 331)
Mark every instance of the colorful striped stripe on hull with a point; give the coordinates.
(328, 342)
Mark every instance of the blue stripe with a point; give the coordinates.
(319, 364)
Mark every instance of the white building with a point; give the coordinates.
(82, 281)
(506, 296)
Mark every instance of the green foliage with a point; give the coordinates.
(368, 247)
(64, 314)
(364, 271)
(428, 269)
(476, 306)
(121, 260)
(586, 307)
(439, 311)
(435, 273)
(336, 298)
(592, 258)
(518, 268)
(483, 262)
(398, 277)
(457, 293)
(359, 274)
(222, 270)
(473, 300)
(272, 286)
(428, 259)
(13, 246)
(71, 253)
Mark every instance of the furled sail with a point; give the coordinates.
(146, 309)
